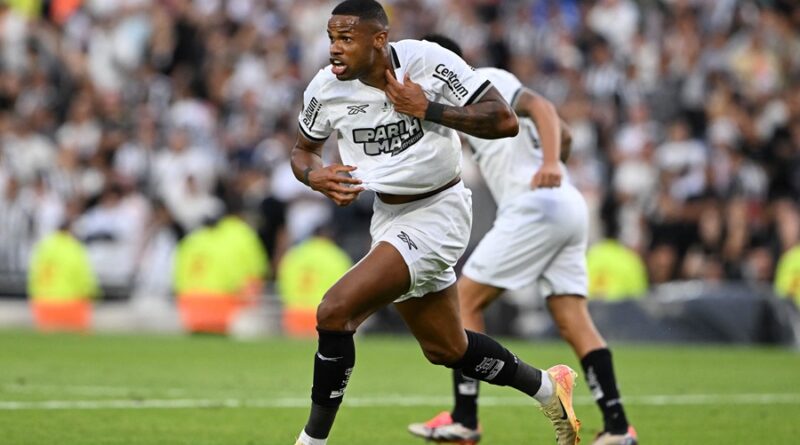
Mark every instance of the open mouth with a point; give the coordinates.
(337, 67)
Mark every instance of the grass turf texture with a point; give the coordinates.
(85, 390)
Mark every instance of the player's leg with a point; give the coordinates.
(571, 316)
(507, 257)
(473, 298)
(565, 282)
(434, 321)
(377, 280)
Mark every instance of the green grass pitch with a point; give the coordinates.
(106, 389)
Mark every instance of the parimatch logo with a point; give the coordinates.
(391, 138)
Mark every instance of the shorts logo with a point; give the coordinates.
(391, 138)
(356, 109)
(451, 80)
(407, 239)
(311, 112)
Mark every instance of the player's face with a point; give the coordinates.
(355, 46)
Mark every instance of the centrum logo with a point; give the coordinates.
(391, 138)
(451, 80)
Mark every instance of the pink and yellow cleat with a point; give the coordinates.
(559, 408)
(443, 429)
(606, 438)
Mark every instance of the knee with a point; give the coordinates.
(474, 297)
(567, 330)
(334, 315)
(443, 354)
(471, 304)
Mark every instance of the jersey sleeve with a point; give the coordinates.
(506, 83)
(457, 82)
(313, 119)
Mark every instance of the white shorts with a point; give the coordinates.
(538, 238)
(431, 234)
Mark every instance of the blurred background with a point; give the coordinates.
(145, 181)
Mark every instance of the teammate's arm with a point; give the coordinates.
(332, 180)
(489, 118)
(566, 141)
(543, 113)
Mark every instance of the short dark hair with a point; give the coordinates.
(445, 42)
(363, 9)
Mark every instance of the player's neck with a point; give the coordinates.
(376, 77)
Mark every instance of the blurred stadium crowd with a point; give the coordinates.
(136, 121)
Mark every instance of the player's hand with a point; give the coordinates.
(407, 97)
(335, 182)
(548, 176)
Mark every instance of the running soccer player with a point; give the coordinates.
(540, 237)
(396, 108)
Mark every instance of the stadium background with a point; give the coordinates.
(135, 121)
(685, 114)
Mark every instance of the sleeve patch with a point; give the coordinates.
(311, 112)
(451, 80)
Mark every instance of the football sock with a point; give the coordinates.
(305, 439)
(465, 389)
(333, 364)
(545, 392)
(600, 377)
(487, 360)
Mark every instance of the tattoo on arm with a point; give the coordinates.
(306, 156)
(489, 118)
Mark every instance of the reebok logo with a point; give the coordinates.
(407, 239)
(451, 80)
(356, 109)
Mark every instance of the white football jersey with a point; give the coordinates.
(395, 153)
(508, 164)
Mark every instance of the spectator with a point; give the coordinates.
(306, 272)
(186, 98)
(787, 277)
(61, 283)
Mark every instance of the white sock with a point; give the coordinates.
(305, 439)
(545, 392)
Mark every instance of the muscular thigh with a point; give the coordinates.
(434, 320)
(377, 280)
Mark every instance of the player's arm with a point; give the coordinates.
(543, 113)
(566, 141)
(490, 117)
(332, 181)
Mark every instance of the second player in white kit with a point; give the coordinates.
(539, 237)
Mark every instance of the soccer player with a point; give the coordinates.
(539, 237)
(396, 108)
